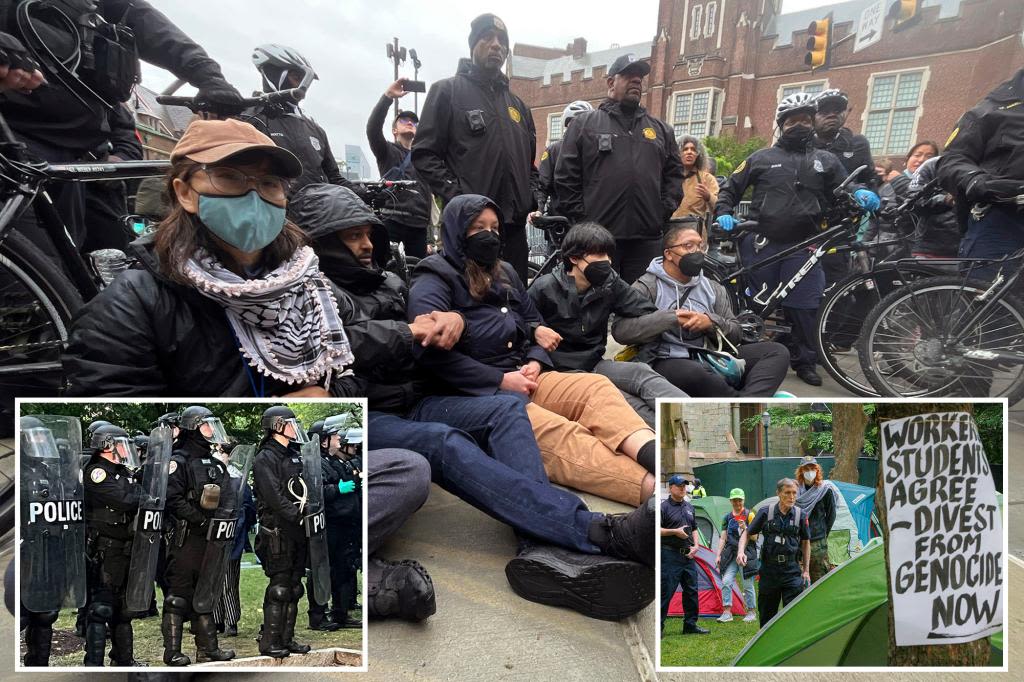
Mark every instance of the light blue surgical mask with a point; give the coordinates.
(249, 223)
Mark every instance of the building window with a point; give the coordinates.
(893, 108)
(695, 23)
(697, 113)
(710, 13)
(554, 128)
(811, 88)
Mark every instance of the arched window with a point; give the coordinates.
(695, 22)
(710, 15)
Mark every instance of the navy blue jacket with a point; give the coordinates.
(499, 331)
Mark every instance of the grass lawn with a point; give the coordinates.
(716, 649)
(67, 648)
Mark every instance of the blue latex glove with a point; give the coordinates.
(727, 222)
(346, 486)
(867, 199)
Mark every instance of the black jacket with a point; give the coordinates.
(111, 498)
(853, 151)
(338, 506)
(476, 137)
(291, 128)
(582, 320)
(792, 190)
(545, 193)
(408, 208)
(54, 116)
(272, 468)
(620, 169)
(193, 465)
(939, 230)
(146, 335)
(987, 143)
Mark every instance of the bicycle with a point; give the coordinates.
(377, 196)
(950, 335)
(555, 228)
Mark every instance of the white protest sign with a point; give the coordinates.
(945, 531)
(869, 30)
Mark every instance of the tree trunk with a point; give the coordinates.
(974, 653)
(848, 422)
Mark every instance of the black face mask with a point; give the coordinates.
(691, 264)
(796, 137)
(598, 272)
(483, 248)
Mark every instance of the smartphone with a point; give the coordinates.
(414, 86)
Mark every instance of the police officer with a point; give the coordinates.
(982, 167)
(793, 183)
(619, 166)
(785, 552)
(679, 543)
(112, 496)
(547, 199)
(281, 542)
(282, 68)
(87, 452)
(476, 137)
(195, 482)
(698, 489)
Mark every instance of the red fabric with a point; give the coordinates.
(709, 592)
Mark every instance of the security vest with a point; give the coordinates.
(787, 527)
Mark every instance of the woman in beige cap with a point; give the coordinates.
(228, 300)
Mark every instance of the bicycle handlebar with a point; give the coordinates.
(546, 222)
(196, 105)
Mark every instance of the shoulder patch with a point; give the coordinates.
(514, 114)
(98, 475)
(818, 167)
(739, 168)
(650, 134)
(544, 155)
(172, 468)
(952, 136)
(315, 143)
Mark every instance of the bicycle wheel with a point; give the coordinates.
(37, 303)
(842, 314)
(915, 342)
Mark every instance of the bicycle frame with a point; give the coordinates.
(991, 296)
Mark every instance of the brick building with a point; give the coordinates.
(159, 126)
(721, 66)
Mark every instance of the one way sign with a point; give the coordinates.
(869, 30)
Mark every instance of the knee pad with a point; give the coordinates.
(99, 612)
(179, 606)
(297, 591)
(279, 593)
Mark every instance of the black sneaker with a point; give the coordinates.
(695, 630)
(627, 536)
(808, 376)
(399, 589)
(595, 585)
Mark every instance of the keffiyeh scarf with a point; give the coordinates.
(286, 321)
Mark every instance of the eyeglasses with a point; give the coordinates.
(689, 247)
(233, 182)
(408, 121)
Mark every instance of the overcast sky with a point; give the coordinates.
(345, 41)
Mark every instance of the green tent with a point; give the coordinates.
(709, 512)
(848, 617)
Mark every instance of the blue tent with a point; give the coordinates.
(861, 501)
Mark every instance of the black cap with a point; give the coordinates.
(629, 62)
(484, 23)
(408, 114)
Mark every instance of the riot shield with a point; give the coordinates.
(149, 523)
(53, 526)
(315, 523)
(220, 534)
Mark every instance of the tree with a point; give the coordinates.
(974, 653)
(848, 422)
(728, 152)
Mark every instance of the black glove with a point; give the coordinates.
(221, 97)
(14, 55)
(984, 188)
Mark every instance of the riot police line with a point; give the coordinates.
(102, 523)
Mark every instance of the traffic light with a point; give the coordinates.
(905, 12)
(819, 37)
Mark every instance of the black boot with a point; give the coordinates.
(288, 636)
(341, 598)
(627, 536)
(172, 627)
(205, 631)
(95, 643)
(38, 641)
(400, 589)
(320, 619)
(122, 645)
(274, 604)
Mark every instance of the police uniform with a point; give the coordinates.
(281, 542)
(111, 501)
(192, 467)
(781, 556)
(344, 530)
(676, 567)
(291, 128)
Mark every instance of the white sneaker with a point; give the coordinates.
(725, 618)
(750, 617)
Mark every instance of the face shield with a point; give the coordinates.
(293, 430)
(38, 443)
(125, 452)
(213, 431)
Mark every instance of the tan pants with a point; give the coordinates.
(580, 420)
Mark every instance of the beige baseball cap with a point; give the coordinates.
(216, 141)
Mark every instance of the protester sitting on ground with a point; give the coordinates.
(577, 299)
(700, 188)
(733, 525)
(497, 467)
(818, 499)
(695, 314)
(589, 437)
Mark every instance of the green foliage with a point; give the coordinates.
(989, 419)
(313, 412)
(728, 152)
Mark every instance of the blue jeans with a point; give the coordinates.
(482, 450)
(998, 233)
(677, 569)
(733, 571)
